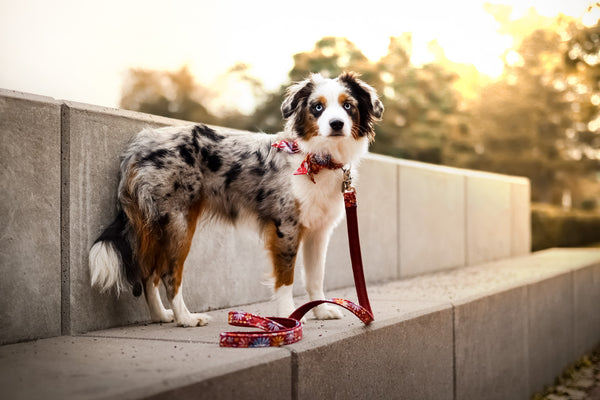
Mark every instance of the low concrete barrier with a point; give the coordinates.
(60, 162)
(494, 331)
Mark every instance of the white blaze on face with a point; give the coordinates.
(331, 121)
(334, 119)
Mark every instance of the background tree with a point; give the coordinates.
(330, 57)
(176, 94)
(420, 105)
(518, 120)
(172, 94)
(539, 119)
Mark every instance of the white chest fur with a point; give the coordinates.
(321, 203)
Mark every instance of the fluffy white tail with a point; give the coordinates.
(105, 267)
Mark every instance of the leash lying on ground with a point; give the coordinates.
(281, 331)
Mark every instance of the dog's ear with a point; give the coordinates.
(296, 96)
(369, 105)
(363, 91)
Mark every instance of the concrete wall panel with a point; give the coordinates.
(551, 329)
(586, 305)
(520, 234)
(95, 138)
(29, 217)
(488, 207)
(403, 360)
(376, 186)
(491, 352)
(431, 218)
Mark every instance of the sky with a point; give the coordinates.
(81, 50)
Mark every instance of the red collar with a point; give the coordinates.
(312, 163)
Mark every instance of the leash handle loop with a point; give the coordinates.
(280, 331)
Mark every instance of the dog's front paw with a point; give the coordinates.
(285, 307)
(165, 317)
(327, 311)
(194, 319)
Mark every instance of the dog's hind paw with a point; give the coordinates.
(194, 319)
(327, 311)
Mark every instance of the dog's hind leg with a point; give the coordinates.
(181, 230)
(183, 316)
(158, 313)
(151, 261)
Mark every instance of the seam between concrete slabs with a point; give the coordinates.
(65, 254)
(453, 351)
(144, 338)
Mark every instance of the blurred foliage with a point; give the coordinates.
(539, 119)
(552, 226)
(176, 94)
(172, 94)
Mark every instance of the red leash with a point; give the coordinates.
(280, 331)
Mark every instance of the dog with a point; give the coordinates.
(289, 183)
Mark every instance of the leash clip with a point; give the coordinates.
(347, 182)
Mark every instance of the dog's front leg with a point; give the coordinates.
(284, 300)
(282, 242)
(315, 251)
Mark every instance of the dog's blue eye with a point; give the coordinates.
(347, 106)
(319, 108)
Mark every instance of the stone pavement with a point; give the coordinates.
(581, 381)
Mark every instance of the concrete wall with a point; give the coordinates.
(29, 217)
(60, 163)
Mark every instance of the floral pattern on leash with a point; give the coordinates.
(279, 331)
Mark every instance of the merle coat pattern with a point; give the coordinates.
(171, 176)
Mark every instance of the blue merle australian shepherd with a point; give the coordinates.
(290, 183)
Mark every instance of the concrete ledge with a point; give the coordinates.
(492, 331)
(60, 163)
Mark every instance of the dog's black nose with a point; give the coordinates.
(336, 124)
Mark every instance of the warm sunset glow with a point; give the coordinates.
(82, 50)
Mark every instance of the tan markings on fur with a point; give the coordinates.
(354, 114)
(156, 279)
(146, 248)
(179, 247)
(311, 128)
(283, 267)
(149, 252)
(355, 131)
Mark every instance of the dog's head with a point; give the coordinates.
(344, 107)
